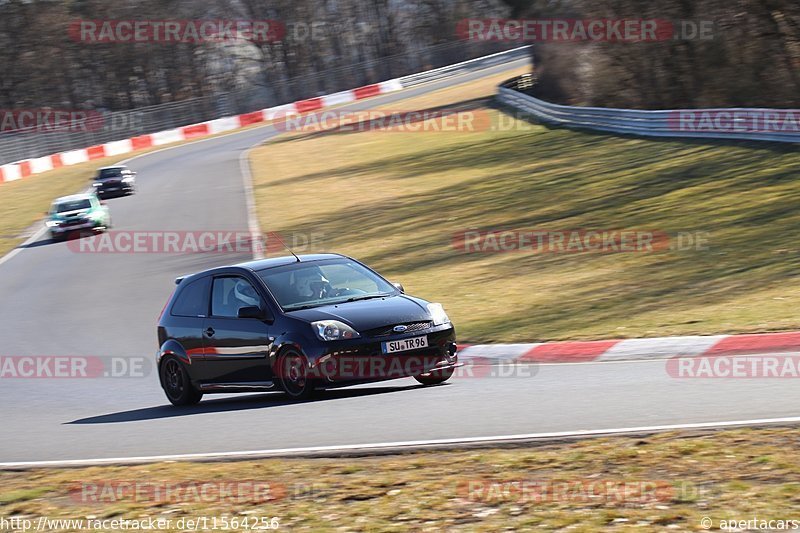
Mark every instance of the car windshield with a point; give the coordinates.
(307, 285)
(74, 205)
(109, 173)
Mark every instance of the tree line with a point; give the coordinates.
(325, 46)
(751, 59)
(749, 55)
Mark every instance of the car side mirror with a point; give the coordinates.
(399, 287)
(252, 311)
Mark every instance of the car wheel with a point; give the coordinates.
(293, 375)
(176, 383)
(57, 237)
(435, 377)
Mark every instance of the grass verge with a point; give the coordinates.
(396, 199)
(737, 474)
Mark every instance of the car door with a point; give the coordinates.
(236, 350)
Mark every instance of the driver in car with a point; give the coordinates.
(310, 284)
(246, 294)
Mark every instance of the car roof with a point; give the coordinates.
(111, 167)
(264, 264)
(73, 198)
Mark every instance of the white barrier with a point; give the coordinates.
(465, 66)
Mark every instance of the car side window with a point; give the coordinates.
(192, 301)
(231, 293)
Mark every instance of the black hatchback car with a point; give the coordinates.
(297, 324)
(114, 181)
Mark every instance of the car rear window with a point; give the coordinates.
(110, 173)
(192, 300)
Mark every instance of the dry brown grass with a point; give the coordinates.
(732, 474)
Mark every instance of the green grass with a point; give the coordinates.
(395, 200)
(23, 495)
(718, 475)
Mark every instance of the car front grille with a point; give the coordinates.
(386, 331)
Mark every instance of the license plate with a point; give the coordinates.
(404, 345)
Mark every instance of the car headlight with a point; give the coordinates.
(96, 184)
(53, 223)
(438, 315)
(129, 179)
(333, 330)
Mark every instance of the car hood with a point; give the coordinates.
(369, 314)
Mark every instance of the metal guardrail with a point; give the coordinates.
(658, 123)
(465, 66)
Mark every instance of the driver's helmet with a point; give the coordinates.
(245, 293)
(310, 283)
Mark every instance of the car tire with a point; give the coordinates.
(176, 383)
(436, 377)
(57, 237)
(292, 371)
